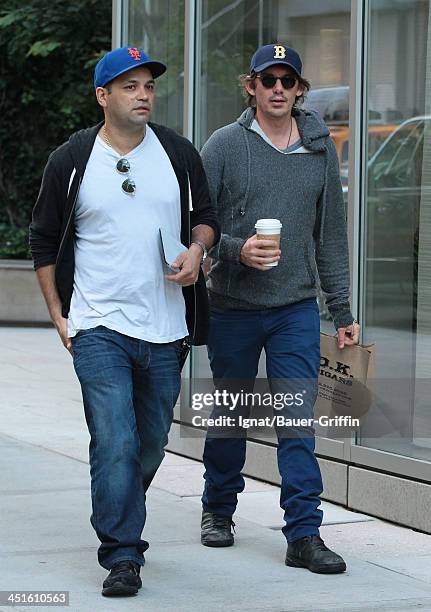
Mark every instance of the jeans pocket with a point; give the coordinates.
(90, 330)
(82, 340)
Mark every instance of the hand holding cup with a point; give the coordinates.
(262, 251)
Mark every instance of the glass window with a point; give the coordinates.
(230, 33)
(157, 26)
(396, 234)
(397, 159)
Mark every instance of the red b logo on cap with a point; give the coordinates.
(135, 53)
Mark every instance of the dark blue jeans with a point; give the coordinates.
(290, 336)
(129, 388)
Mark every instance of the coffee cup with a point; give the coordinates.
(269, 229)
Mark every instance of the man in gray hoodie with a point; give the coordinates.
(276, 161)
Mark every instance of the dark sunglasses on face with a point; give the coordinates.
(123, 167)
(268, 81)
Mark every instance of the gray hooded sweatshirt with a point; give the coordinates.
(249, 179)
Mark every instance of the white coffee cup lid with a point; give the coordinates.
(268, 224)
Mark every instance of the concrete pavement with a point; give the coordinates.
(47, 542)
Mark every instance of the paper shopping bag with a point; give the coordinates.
(344, 379)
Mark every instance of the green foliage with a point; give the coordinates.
(43, 48)
(13, 242)
(48, 51)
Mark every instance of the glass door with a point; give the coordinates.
(396, 266)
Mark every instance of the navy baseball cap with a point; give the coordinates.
(268, 55)
(121, 60)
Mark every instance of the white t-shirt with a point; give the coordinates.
(297, 147)
(119, 274)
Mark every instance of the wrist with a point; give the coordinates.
(341, 314)
(229, 249)
(202, 248)
(57, 319)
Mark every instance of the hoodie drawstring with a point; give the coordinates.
(247, 191)
(307, 140)
(324, 197)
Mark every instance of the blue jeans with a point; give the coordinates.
(291, 338)
(129, 388)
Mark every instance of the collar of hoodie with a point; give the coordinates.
(313, 132)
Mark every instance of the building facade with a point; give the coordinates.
(369, 64)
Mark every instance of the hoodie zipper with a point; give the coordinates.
(72, 210)
(190, 240)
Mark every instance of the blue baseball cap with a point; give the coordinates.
(268, 55)
(121, 60)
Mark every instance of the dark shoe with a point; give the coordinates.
(216, 530)
(311, 552)
(123, 579)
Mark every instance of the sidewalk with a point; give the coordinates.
(47, 542)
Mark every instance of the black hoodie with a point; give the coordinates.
(52, 230)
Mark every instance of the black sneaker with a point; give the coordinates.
(216, 529)
(311, 552)
(123, 579)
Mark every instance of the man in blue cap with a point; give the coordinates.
(126, 318)
(276, 161)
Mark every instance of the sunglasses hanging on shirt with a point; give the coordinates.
(123, 167)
